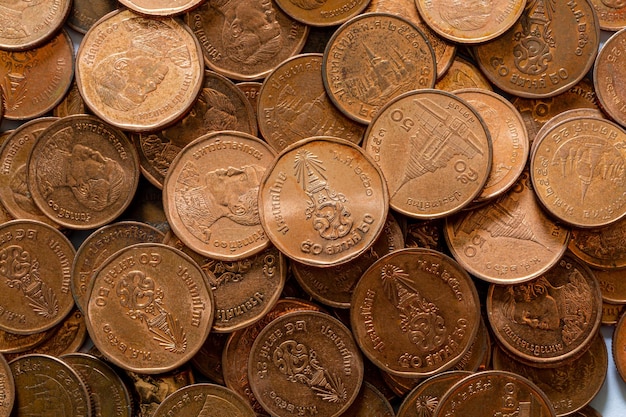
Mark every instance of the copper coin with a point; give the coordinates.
(548, 50)
(399, 385)
(425, 234)
(150, 308)
(208, 360)
(509, 240)
(494, 393)
(587, 411)
(361, 73)
(434, 150)
(16, 343)
(611, 313)
(603, 247)
(147, 207)
(470, 22)
(462, 74)
(72, 103)
(415, 312)
(82, 172)
(612, 284)
(160, 7)
(251, 90)
(322, 12)
(611, 14)
(577, 172)
(293, 105)
(309, 361)
(35, 262)
(550, 319)
(85, 13)
(369, 403)
(27, 24)
(244, 40)
(7, 388)
(478, 356)
(424, 398)
(26, 96)
(563, 116)
(609, 77)
(204, 400)
(618, 346)
(210, 194)
(139, 73)
(323, 201)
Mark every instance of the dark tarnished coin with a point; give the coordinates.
(611, 313)
(160, 7)
(611, 14)
(323, 201)
(85, 13)
(424, 398)
(7, 388)
(362, 73)
(16, 343)
(208, 360)
(618, 346)
(35, 264)
(399, 385)
(307, 362)
(612, 284)
(139, 73)
(72, 103)
(82, 172)
(150, 308)
(147, 206)
(609, 77)
(245, 39)
(322, 12)
(587, 411)
(462, 74)
(415, 312)
(204, 400)
(425, 234)
(369, 403)
(603, 247)
(550, 48)
(36, 80)
(45, 385)
(549, 319)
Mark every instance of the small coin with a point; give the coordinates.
(361, 73)
(139, 73)
(423, 399)
(85, 13)
(322, 12)
(611, 14)
(204, 400)
(160, 7)
(425, 234)
(609, 77)
(7, 388)
(307, 359)
(369, 403)
(563, 116)
(155, 302)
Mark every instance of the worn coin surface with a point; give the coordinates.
(603, 247)
(160, 7)
(16, 343)
(322, 12)
(611, 14)
(369, 403)
(462, 74)
(609, 77)
(7, 388)
(618, 346)
(85, 13)
(424, 398)
(611, 313)
(72, 103)
(612, 284)
(204, 400)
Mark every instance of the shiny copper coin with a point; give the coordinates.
(611, 14)
(307, 359)
(35, 262)
(548, 50)
(470, 22)
(204, 400)
(603, 248)
(245, 40)
(612, 284)
(369, 403)
(549, 319)
(563, 116)
(323, 201)
(492, 393)
(322, 12)
(160, 7)
(415, 312)
(155, 303)
(293, 105)
(210, 194)
(618, 346)
(434, 150)
(26, 96)
(609, 77)
(7, 388)
(577, 171)
(424, 398)
(82, 172)
(611, 313)
(72, 103)
(361, 73)
(462, 74)
(508, 240)
(27, 24)
(139, 73)
(85, 13)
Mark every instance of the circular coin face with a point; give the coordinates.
(307, 361)
(609, 77)
(160, 7)
(155, 303)
(422, 400)
(322, 12)
(602, 248)
(204, 400)
(323, 202)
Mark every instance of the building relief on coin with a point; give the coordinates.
(21, 271)
(12, 13)
(535, 41)
(144, 302)
(466, 15)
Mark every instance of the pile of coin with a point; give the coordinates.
(311, 207)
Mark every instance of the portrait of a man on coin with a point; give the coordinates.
(12, 16)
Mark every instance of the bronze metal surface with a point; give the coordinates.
(204, 400)
(160, 7)
(7, 388)
(462, 74)
(609, 77)
(424, 398)
(602, 248)
(369, 403)
(85, 13)
(322, 12)
(611, 14)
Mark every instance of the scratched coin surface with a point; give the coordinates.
(139, 73)
(373, 58)
(415, 312)
(150, 308)
(322, 12)
(609, 77)
(204, 400)
(210, 194)
(434, 150)
(27, 24)
(307, 360)
(323, 201)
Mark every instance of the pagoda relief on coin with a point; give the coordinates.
(210, 194)
(373, 58)
(305, 362)
(322, 12)
(150, 308)
(434, 151)
(550, 48)
(577, 170)
(415, 312)
(323, 201)
(139, 73)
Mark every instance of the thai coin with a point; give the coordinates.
(36, 80)
(425, 234)
(550, 319)
(399, 385)
(509, 240)
(7, 388)
(462, 74)
(563, 116)
(72, 103)
(369, 403)
(361, 73)
(208, 360)
(323, 201)
(549, 49)
(415, 312)
(210, 194)
(611, 313)
(602, 248)
(609, 77)
(147, 206)
(434, 150)
(322, 12)
(35, 262)
(85, 13)
(16, 343)
(423, 399)
(150, 308)
(245, 40)
(160, 7)
(251, 90)
(612, 284)
(309, 361)
(618, 346)
(25, 25)
(478, 356)
(139, 73)
(611, 14)
(577, 170)
(204, 400)
(293, 105)
(470, 22)
(587, 411)
(82, 172)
